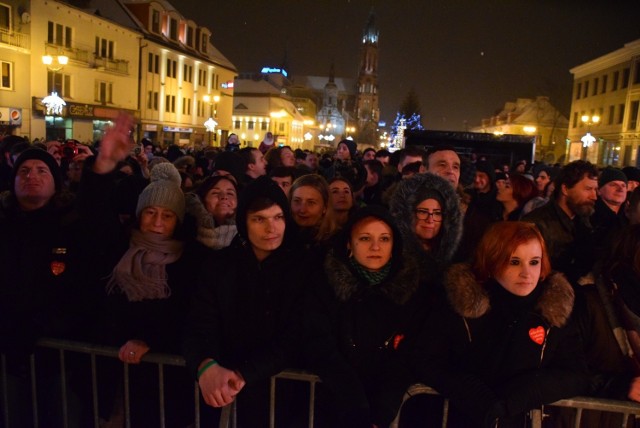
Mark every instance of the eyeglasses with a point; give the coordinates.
(423, 214)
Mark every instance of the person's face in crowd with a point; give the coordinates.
(221, 200)
(372, 177)
(631, 185)
(505, 193)
(74, 173)
(614, 193)
(284, 183)
(259, 165)
(187, 184)
(581, 198)
(500, 184)
(446, 164)
(307, 206)
(34, 183)
(408, 160)
(384, 160)
(341, 196)
(428, 219)
(371, 243)
(343, 152)
(233, 139)
(520, 276)
(369, 155)
(482, 183)
(520, 168)
(160, 220)
(265, 230)
(311, 161)
(287, 157)
(148, 151)
(541, 180)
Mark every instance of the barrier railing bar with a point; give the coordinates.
(161, 394)
(272, 405)
(34, 394)
(63, 390)
(196, 400)
(94, 392)
(312, 403)
(127, 397)
(5, 390)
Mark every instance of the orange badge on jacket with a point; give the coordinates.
(537, 335)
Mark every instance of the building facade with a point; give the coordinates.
(531, 117)
(604, 126)
(108, 56)
(367, 109)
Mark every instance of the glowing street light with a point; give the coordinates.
(588, 139)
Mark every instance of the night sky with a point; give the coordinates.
(464, 59)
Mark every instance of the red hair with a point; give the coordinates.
(523, 189)
(498, 244)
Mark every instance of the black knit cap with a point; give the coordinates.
(632, 173)
(263, 187)
(351, 145)
(43, 156)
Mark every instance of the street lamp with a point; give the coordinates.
(588, 139)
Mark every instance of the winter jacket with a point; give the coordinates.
(358, 336)
(569, 241)
(497, 355)
(241, 311)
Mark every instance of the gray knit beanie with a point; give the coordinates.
(163, 191)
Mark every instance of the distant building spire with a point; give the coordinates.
(370, 34)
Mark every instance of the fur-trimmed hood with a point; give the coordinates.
(408, 195)
(207, 233)
(401, 285)
(470, 299)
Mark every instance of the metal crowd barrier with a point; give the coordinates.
(627, 409)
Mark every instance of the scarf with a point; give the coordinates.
(372, 278)
(141, 272)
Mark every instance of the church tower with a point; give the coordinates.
(367, 105)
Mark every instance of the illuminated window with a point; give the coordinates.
(236, 124)
(616, 77)
(264, 126)
(578, 90)
(625, 78)
(6, 75)
(172, 67)
(5, 16)
(173, 29)
(605, 79)
(170, 104)
(633, 115)
(152, 100)
(188, 73)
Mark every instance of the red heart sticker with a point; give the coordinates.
(57, 268)
(396, 340)
(537, 335)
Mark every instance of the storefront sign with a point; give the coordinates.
(80, 110)
(150, 127)
(176, 129)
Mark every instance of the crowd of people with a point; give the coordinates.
(503, 288)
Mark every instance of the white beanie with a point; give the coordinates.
(163, 191)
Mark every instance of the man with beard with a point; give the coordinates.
(564, 221)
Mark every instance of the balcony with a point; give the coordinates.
(74, 54)
(113, 65)
(15, 40)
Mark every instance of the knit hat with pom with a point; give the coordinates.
(163, 191)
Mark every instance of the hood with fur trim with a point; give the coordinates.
(401, 285)
(402, 205)
(470, 299)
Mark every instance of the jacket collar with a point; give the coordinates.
(470, 299)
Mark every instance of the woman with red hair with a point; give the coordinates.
(506, 342)
(516, 192)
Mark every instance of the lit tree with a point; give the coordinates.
(410, 112)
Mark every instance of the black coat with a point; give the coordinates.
(358, 337)
(496, 355)
(241, 312)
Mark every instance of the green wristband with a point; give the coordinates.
(205, 367)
